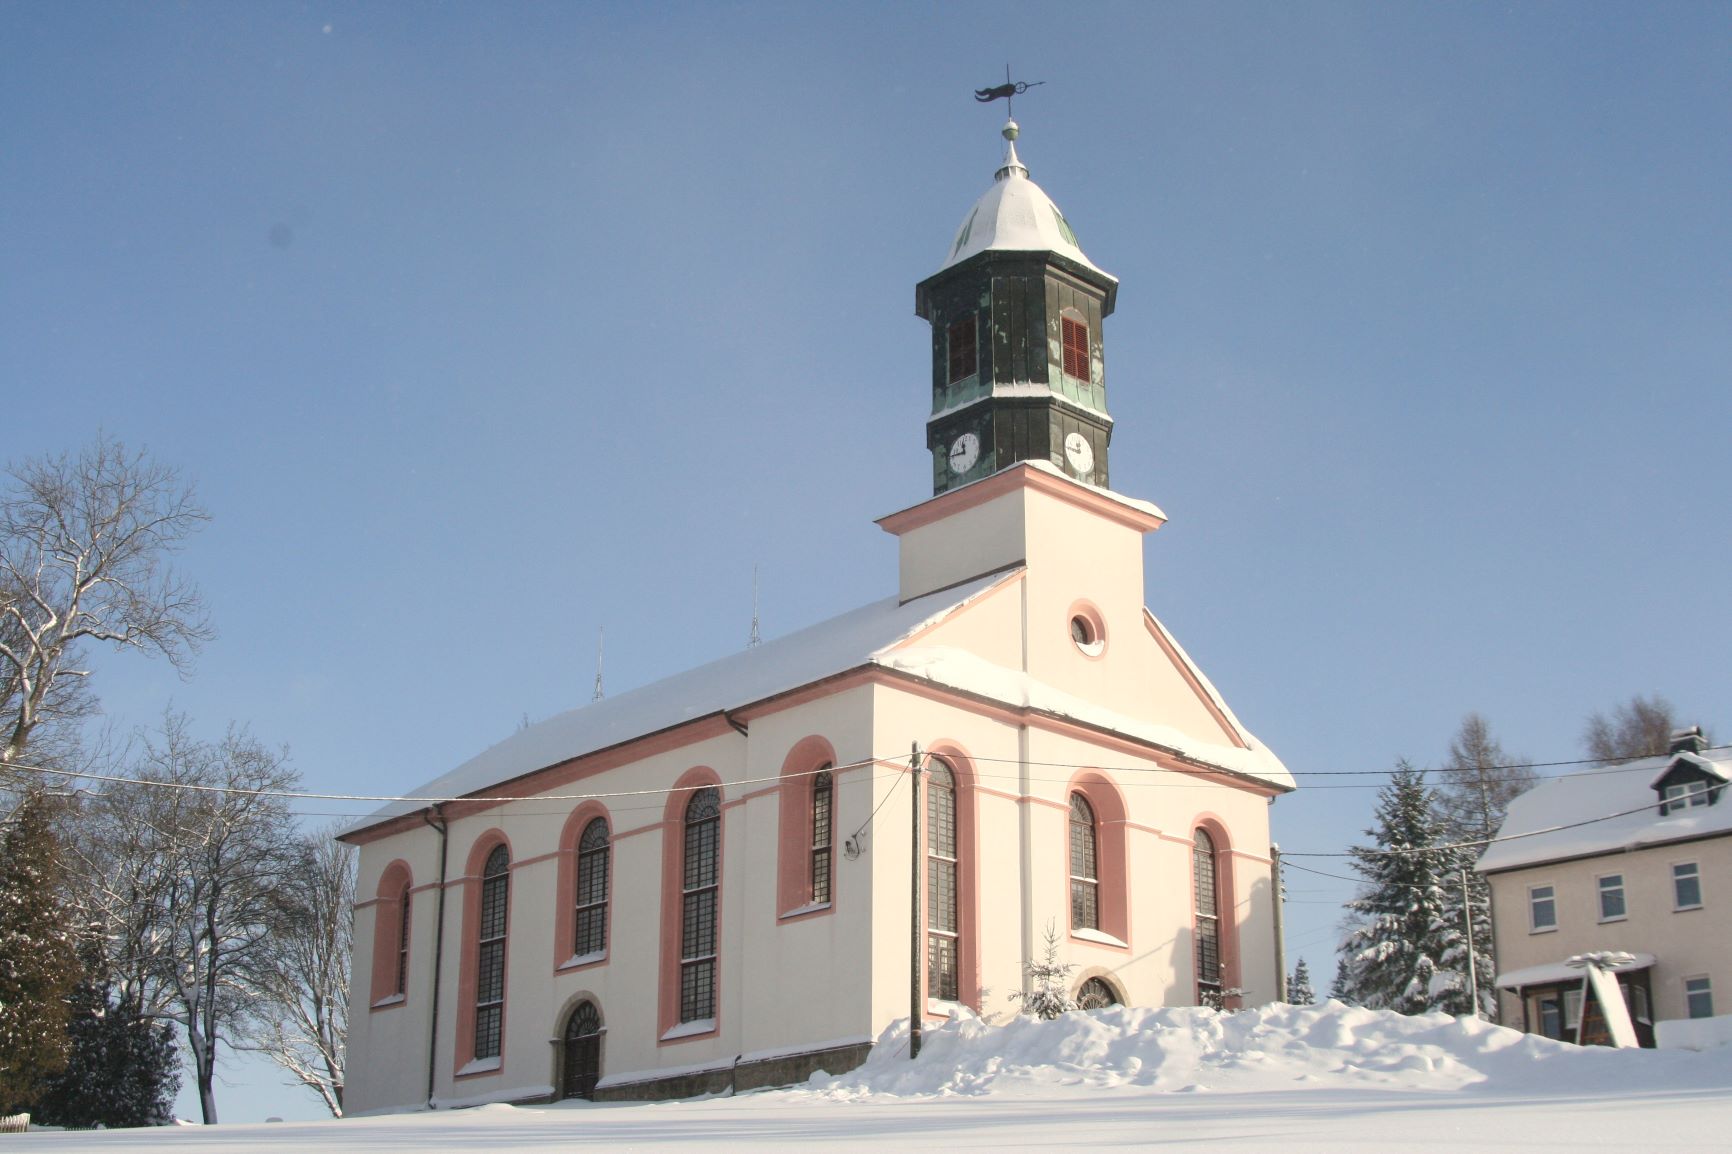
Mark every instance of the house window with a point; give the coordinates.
(1075, 332)
(700, 883)
(1612, 897)
(1686, 886)
(1208, 916)
(823, 795)
(941, 896)
(490, 956)
(963, 344)
(401, 986)
(1698, 997)
(1542, 909)
(1085, 910)
(590, 936)
(1637, 999)
(1685, 795)
(1572, 1009)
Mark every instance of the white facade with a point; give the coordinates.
(986, 675)
(1079, 772)
(1598, 862)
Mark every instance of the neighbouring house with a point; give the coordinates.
(1633, 858)
(724, 880)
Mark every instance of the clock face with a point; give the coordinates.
(964, 452)
(1079, 453)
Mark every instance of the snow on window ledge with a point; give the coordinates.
(1088, 935)
(690, 1029)
(480, 1066)
(947, 1009)
(809, 908)
(577, 960)
(389, 1000)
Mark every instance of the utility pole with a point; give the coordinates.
(1280, 938)
(1472, 969)
(916, 1003)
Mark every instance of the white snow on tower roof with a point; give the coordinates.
(1015, 215)
(1577, 800)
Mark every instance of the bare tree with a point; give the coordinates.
(192, 871)
(84, 543)
(1642, 727)
(307, 989)
(1479, 780)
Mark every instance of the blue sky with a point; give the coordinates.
(481, 327)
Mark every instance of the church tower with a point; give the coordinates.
(1017, 368)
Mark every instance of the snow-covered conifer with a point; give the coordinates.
(1048, 993)
(122, 1069)
(38, 965)
(1396, 956)
(1299, 991)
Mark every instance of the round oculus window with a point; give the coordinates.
(1086, 635)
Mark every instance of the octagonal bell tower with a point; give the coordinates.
(1018, 372)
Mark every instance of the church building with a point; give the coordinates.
(724, 880)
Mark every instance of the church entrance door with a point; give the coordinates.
(582, 1051)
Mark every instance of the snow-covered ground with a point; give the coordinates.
(1279, 1078)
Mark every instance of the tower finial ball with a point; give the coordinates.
(1010, 130)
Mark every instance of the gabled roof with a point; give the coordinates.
(1577, 800)
(883, 634)
(1684, 759)
(775, 667)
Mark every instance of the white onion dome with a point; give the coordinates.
(1015, 215)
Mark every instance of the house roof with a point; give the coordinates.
(1552, 972)
(876, 634)
(1606, 810)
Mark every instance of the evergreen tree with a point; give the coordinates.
(1299, 991)
(1396, 956)
(1341, 990)
(1048, 992)
(38, 965)
(123, 1069)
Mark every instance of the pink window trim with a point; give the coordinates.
(1226, 906)
(967, 875)
(794, 827)
(1090, 613)
(673, 848)
(468, 961)
(565, 890)
(388, 914)
(1113, 886)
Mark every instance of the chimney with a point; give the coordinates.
(1688, 740)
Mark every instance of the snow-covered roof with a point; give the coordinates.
(763, 671)
(1015, 215)
(875, 634)
(1577, 800)
(1695, 760)
(1550, 972)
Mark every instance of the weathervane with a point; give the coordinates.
(1008, 90)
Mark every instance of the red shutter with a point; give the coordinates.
(1076, 349)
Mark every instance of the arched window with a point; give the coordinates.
(582, 1051)
(1085, 910)
(1076, 345)
(401, 987)
(823, 795)
(1208, 921)
(700, 882)
(490, 953)
(590, 936)
(941, 889)
(1095, 994)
